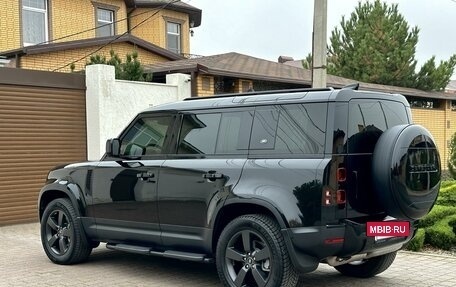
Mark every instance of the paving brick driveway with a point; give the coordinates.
(23, 263)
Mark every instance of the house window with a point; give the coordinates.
(34, 21)
(105, 22)
(173, 36)
(206, 86)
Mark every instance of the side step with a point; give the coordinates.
(187, 256)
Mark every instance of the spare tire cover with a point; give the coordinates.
(406, 171)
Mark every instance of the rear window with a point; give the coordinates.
(368, 119)
(289, 129)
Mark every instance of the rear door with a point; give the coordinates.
(210, 154)
(367, 120)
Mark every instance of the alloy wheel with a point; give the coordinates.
(248, 259)
(58, 232)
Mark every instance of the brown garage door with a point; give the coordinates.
(39, 129)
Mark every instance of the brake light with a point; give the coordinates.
(340, 197)
(341, 174)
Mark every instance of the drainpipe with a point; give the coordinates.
(128, 19)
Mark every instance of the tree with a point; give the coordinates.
(452, 157)
(376, 45)
(131, 70)
(435, 78)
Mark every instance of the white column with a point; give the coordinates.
(182, 81)
(100, 79)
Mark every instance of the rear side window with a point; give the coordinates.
(368, 119)
(289, 129)
(215, 133)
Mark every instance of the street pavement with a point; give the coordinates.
(23, 263)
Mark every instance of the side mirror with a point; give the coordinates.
(113, 147)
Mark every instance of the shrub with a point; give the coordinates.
(447, 195)
(441, 235)
(416, 244)
(447, 183)
(452, 223)
(437, 213)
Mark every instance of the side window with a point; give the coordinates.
(218, 133)
(234, 132)
(367, 121)
(290, 129)
(146, 137)
(199, 134)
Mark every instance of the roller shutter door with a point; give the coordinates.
(39, 129)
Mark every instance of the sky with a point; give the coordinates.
(268, 29)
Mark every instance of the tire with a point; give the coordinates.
(62, 235)
(240, 245)
(406, 171)
(367, 268)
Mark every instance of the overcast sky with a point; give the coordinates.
(270, 28)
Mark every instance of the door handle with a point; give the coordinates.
(212, 175)
(148, 175)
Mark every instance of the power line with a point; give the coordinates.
(119, 36)
(91, 29)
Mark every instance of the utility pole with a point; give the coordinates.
(319, 44)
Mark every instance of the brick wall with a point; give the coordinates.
(441, 123)
(204, 89)
(154, 29)
(66, 18)
(73, 17)
(10, 37)
(70, 17)
(50, 61)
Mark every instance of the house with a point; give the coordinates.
(235, 73)
(54, 34)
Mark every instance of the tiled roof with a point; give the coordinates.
(242, 66)
(451, 86)
(45, 48)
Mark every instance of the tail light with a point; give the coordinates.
(340, 196)
(337, 197)
(341, 174)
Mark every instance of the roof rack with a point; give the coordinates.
(260, 93)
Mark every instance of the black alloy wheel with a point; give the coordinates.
(59, 232)
(248, 259)
(62, 234)
(251, 251)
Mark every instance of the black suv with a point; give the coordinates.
(268, 185)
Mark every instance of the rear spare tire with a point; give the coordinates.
(406, 171)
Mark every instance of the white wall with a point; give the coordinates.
(111, 104)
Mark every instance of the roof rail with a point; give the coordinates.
(260, 93)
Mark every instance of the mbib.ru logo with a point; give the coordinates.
(388, 228)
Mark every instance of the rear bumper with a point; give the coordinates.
(308, 246)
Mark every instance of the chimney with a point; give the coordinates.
(283, 59)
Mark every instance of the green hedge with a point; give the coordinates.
(447, 195)
(437, 213)
(416, 244)
(448, 183)
(452, 224)
(441, 235)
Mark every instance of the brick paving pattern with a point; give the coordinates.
(23, 263)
